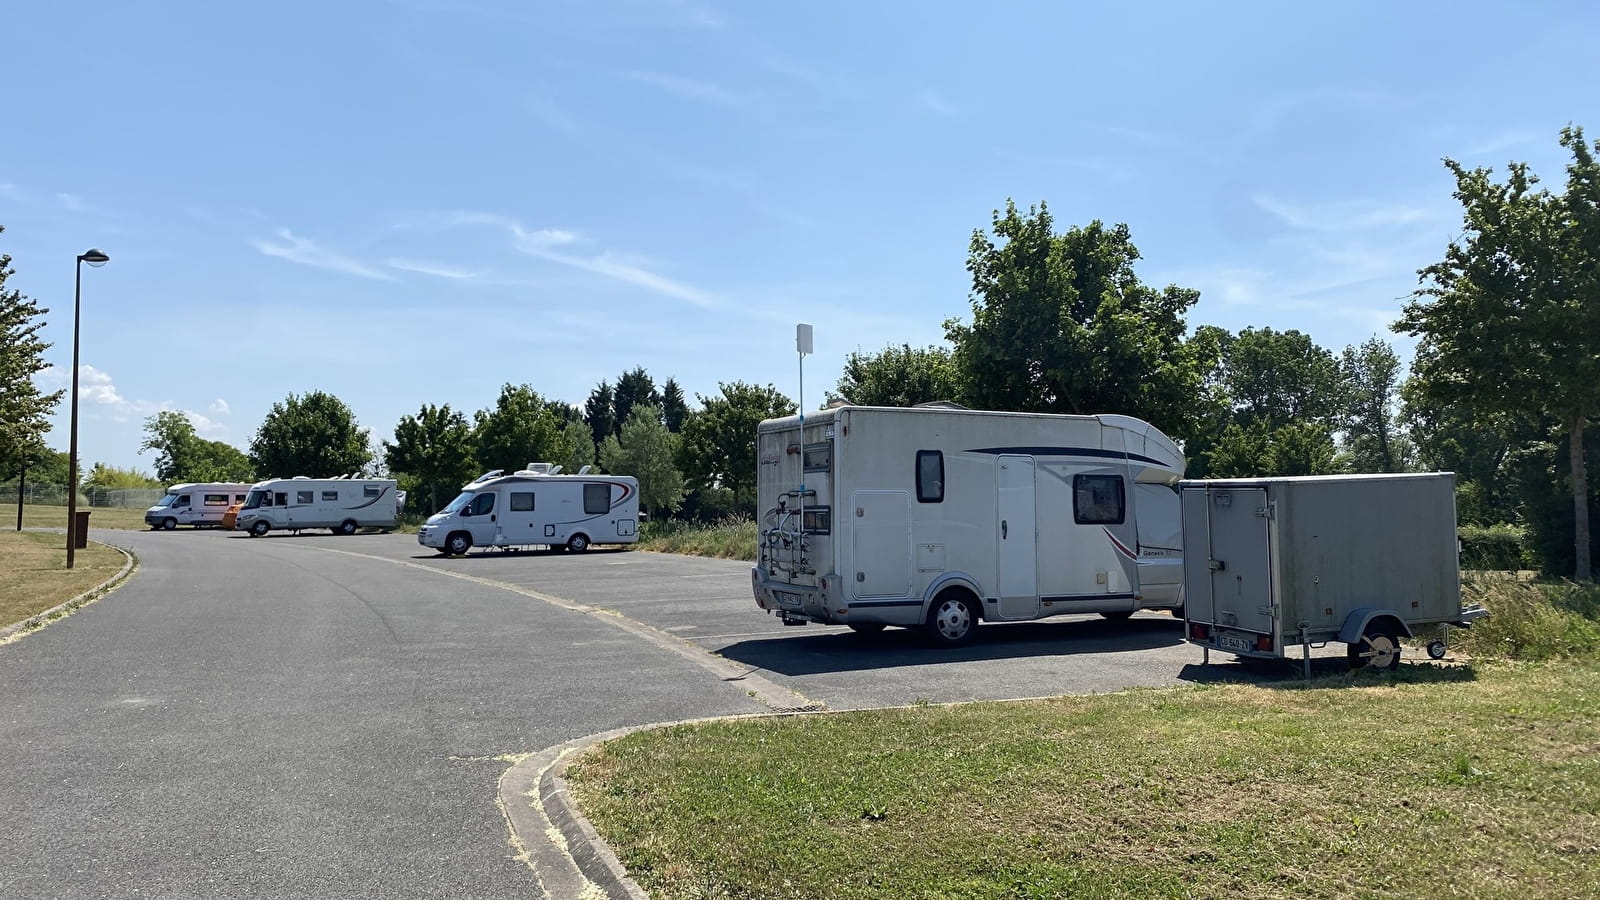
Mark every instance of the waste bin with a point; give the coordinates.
(80, 530)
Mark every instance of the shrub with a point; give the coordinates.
(1533, 621)
(1491, 547)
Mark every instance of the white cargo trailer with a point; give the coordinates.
(341, 504)
(939, 517)
(537, 506)
(195, 503)
(1275, 563)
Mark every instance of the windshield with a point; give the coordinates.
(167, 500)
(254, 500)
(461, 500)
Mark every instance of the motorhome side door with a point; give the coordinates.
(1017, 538)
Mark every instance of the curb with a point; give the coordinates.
(34, 622)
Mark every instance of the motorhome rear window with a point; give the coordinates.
(596, 498)
(521, 501)
(371, 490)
(818, 457)
(330, 495)
(304, 497)
(1098, 500)
(216, 499)
(930, 476)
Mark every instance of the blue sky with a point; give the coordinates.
(417, 201)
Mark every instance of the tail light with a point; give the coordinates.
(1199, 632)
(1264, 643)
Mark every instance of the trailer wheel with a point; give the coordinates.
(169, 523)
(1379, 648)
(1437, 649)
(347, 527)
(952, 619)
(259, 528)
(458, 544)
(577, 543)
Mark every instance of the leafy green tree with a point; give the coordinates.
(1371, 375)
(719, 439)
(1258, 449)
(646, 451)
(1284, 396)
(1450, 437)
(182, 455)
(433, 450)
(110, 478)
(898, 376)
(634, 388)
(24, 410)
(519, 430)
(598, 412)
(314, 435)
(1062, 324)
(575, 448)
(1507, 320)
(674, 408)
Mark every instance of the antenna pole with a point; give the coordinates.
(802, 345)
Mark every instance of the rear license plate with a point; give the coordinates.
(787, 599)
(1233, 642)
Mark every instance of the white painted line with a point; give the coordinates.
(719, 575)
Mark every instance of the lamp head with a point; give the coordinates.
(94, 257)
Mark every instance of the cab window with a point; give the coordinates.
(481, 505)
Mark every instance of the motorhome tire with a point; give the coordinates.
(169, 523)
(1121, 615)
(347, 527)
(952, 619)
(867, 628)
(578, 543)
(259, 528)
(458, 543)
(1378, 648)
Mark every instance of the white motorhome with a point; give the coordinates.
(537, 506)
(196, 503)
(342, 504)
(938, 517)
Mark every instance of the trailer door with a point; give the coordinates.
(1240, 560)
(1017, 538)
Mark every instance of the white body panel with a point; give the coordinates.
(528, 509)
(296, 504)
(197, 504)
(1033, 514)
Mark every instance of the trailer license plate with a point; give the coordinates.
(1233, 642)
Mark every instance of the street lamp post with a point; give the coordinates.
(94, 258)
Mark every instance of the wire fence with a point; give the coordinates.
(56, 495)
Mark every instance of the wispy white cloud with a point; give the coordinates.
(686, 88)
(933, 102)
(307, 253)
(438, 270)
(1505, 140)
(97, 390)
(1341, 215)
(554, 117)
(219, 407)
(72, 203)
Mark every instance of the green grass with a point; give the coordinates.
(1465, 784)
(1478, 780)
(730, 539)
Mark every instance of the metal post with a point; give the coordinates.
(72, 441)
(22, 488)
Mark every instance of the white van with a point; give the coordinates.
(939, 518)
(341, 504)
(197, 504)
(537, 506)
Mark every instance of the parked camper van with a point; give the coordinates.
(342, 504)
(196, 504)
(537, 506)
(939, 517)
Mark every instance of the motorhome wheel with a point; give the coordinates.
(458, 543)
(577, 543)
(951, 620)
(1378, 648)
(169, 523)
(347, 527)
(259, 528)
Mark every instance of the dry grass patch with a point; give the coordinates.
(35, 577)
(1440, 783)
(733, 539)
(118, 517)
